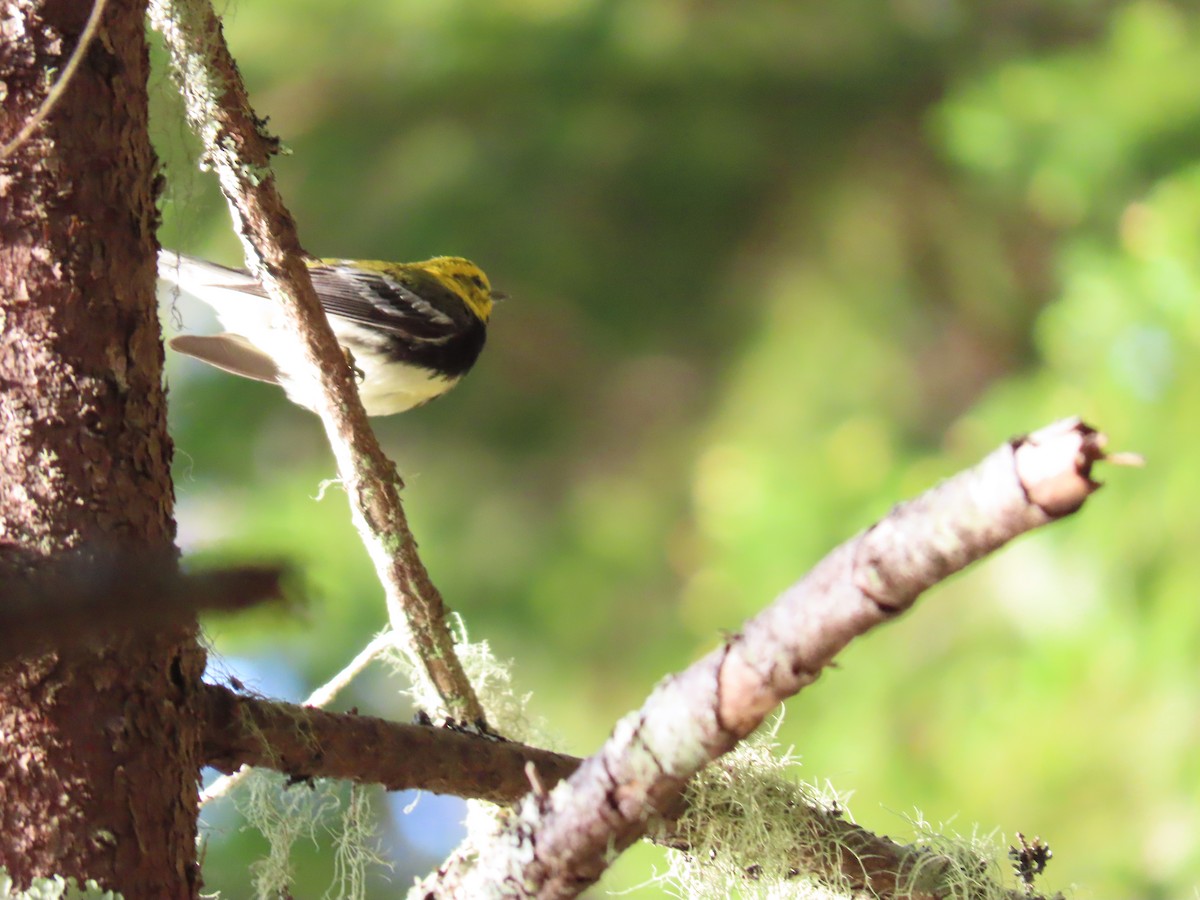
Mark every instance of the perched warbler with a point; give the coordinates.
(413, 329)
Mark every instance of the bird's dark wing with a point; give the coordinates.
(369, 298)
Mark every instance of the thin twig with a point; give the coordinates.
(85, 596)
(239, 150)
(60, 84)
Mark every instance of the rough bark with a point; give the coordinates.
(98, 749)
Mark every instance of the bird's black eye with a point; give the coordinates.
(477, 281)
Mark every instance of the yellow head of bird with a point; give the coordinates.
(468, 280)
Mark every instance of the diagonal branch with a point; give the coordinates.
(238, 148)
(919, 543)
(558, 843)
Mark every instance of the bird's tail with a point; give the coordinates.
(189, 272)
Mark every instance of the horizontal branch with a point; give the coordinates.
(83, 597)
(320, 698)
(304, 742)
(559, 843)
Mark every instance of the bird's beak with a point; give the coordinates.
(499, 296)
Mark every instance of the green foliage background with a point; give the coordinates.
(774, 267)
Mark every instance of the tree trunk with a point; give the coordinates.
(98, 749)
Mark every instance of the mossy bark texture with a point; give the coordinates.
(98, 748)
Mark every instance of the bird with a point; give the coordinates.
(411, 330)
